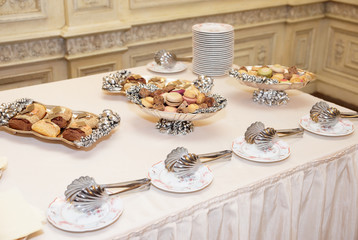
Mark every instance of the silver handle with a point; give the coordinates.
(136, 185)
(208, 157)
(349, 115)
(185, 59)
(290, 132)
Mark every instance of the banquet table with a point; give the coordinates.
(312, 194)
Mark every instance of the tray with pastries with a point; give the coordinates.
(176, 107)
(121, 81)
(275, 77)
(76, 128)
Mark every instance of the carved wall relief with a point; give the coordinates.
(30, 50)
(20, 10)
(339, 50)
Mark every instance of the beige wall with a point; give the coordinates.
(42, 41)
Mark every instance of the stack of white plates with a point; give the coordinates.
(213, 48)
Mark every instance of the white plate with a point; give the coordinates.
(65, 216)
(342, 128)
(179, 67)
(213, 27)
(278, 152)
(167, 181)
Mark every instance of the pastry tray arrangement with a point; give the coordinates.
(272, 81)
(121, 81)
(76, 128)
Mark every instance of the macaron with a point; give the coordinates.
(189, 100)
(173, 99)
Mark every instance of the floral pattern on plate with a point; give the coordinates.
(342, 128)
(65, 216)
(279, 151)
(179, 67)
(167, 181)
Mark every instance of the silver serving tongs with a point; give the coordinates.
(167, 59)
(182, 163)
(85, 194)
(328, 116)
(265, 138)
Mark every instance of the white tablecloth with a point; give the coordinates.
(310, 195)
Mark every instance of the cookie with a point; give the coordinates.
(24, 120)
(76, 131)
(46, 127)
(88, 118)
(173, 99)
(60, 116)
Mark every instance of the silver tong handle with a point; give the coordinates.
(349, 115)
(208, 157)
(133, 186)
(290, 132)
(185, 59)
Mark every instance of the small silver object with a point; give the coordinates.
(114, 82)
(86, 195)
(167, 59)
(204, 83)
(328, 116)
(182, 163)
(265, 138)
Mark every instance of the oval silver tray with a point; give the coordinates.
(104, 127)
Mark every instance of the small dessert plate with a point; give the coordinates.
(279, 151)
(154, 67)
(167, 181)
(342, 128)
(66, 216)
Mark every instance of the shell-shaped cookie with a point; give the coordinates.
(317, 109)
(252, 131)
(266, 139)
(329, 117)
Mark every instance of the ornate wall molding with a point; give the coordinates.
(304, 11)
(342, 10)
(30, 50)
(21, 10)
(106, 42)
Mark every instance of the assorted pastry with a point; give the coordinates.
(278, 73)
(55, 122)
(122, 80)
(176, 98)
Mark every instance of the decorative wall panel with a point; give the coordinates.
(80, 5)
(255, 50)
(26, 79)
(90, 70)
(302, 51)
(134, 4)
(343, 52)
(20, 10)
